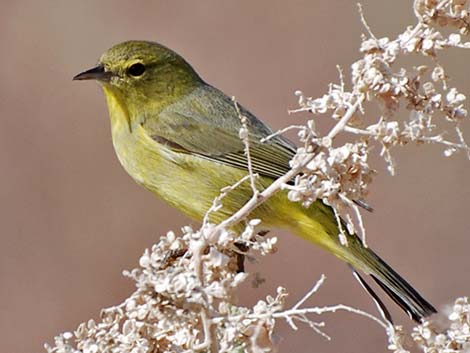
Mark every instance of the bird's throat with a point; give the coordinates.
(118, 113)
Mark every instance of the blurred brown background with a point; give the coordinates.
(72, 220)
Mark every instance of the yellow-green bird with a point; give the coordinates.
(178, 136)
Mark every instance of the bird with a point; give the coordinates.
(178, 137)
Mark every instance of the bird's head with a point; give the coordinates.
(141, 72)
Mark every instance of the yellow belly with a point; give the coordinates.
(185, 181)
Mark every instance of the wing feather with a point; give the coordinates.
(206, 123)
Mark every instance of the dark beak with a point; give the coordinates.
(96, 73)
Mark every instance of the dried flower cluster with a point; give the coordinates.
(335, 175)
(185, 298)
(341, 175)
(183, 302)
(455, 337)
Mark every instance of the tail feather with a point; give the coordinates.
(399, 290)
(318, 225)
(378, 302)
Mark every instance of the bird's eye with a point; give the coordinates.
(136, 70)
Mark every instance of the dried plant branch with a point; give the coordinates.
(244, 135)
(277, 185)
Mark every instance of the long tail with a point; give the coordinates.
(399, 290)
(317, 224)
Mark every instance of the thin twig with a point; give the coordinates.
(216, 203)
(341, 77)
(311, 292)
(364, 22)
(245, 136)
(282, 131)
(462, 140)
(362, 229)
(328, 309)
(254, 202)
(210, 341)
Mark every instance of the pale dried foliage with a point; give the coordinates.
(452, 336)
(186, 299)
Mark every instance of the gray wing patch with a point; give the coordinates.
(206, 123)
